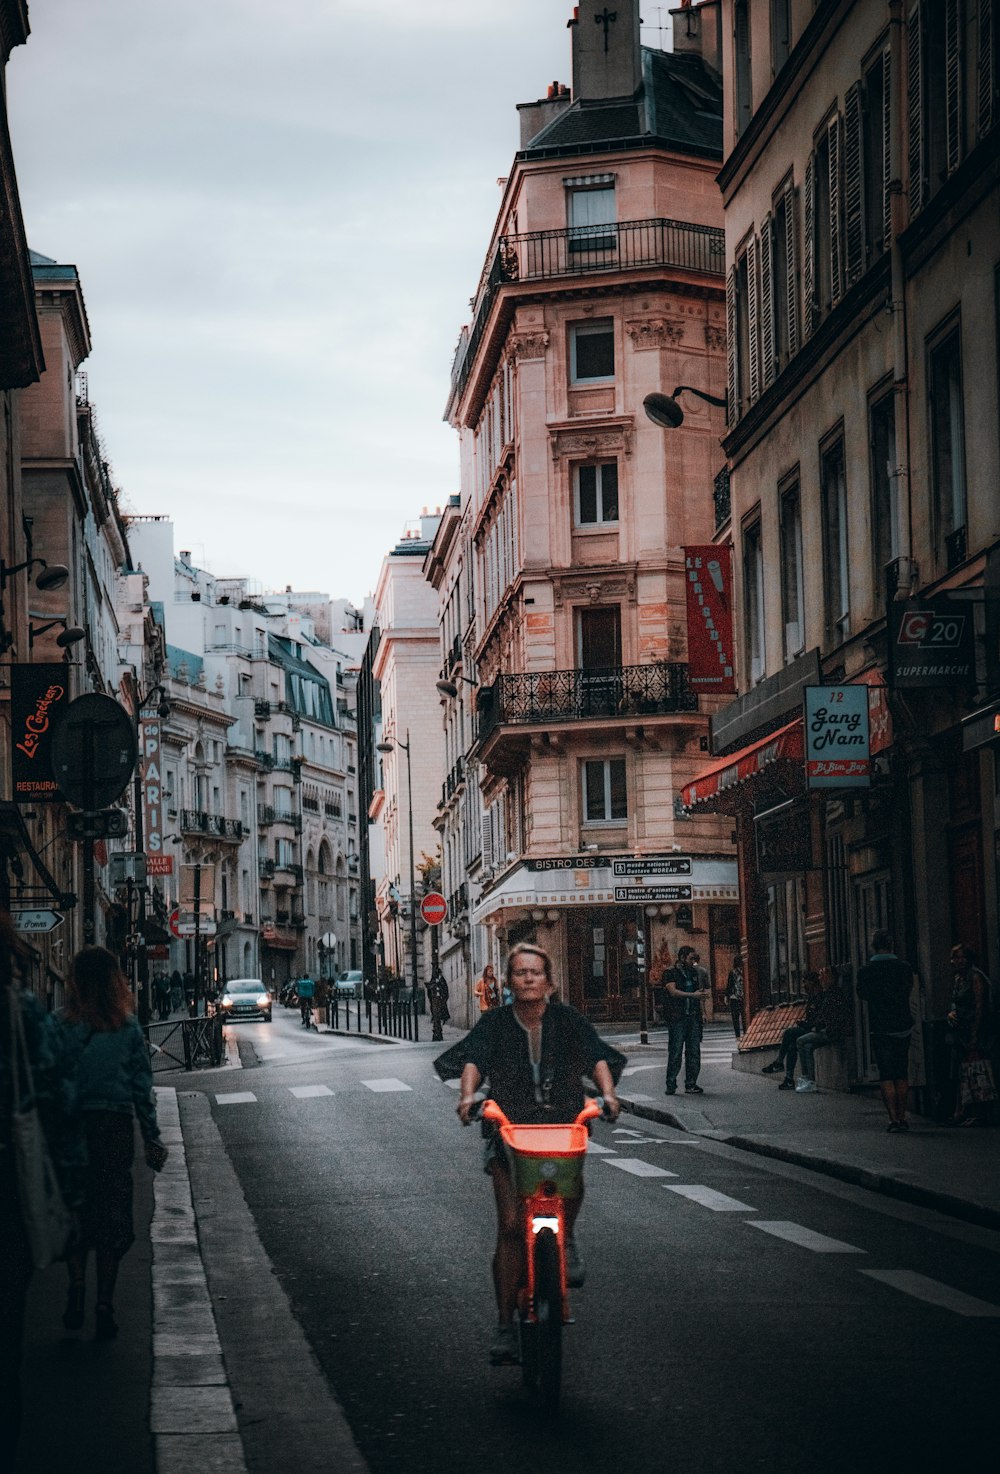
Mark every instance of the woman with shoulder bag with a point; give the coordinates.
(114, 1082)
(29, 1042)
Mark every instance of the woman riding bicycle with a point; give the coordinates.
(535, 1054)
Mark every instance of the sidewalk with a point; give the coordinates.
(843, 1135)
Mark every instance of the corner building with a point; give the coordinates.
(603, 283)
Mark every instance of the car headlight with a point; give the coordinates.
(264, 1001)
(226, 1001)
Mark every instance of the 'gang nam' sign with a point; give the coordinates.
(836, 731)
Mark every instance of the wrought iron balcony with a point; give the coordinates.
(266, 866)
(288, 867)
(543, 698)
(453, 780)
(197, 821)
(543, 255)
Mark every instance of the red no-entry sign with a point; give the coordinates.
(434, 908)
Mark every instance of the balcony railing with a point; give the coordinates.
(266, 866)
(458, 902)
(197, 821)
(453, 780)
(287, 867)
(543, 255)
(544, 697)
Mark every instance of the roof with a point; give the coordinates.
(306, 690)
(44, 268)
(679, 104)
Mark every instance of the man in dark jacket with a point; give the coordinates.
(685, 992)
(885, 984)
(833, 1020)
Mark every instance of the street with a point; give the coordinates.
(736, 1311)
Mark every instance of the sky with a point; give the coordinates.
(278, 214)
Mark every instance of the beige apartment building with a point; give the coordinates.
(863, 268)
(566, 644)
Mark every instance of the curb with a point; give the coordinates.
(880, 1182)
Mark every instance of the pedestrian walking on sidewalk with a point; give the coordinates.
(788, 1053)
(832, 1022)
(487, 989)
(885, 983)
(114, 1082)
(685, 994)
(51, 1077)
(437, 998)
(734, 994)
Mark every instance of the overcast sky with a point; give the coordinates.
(278, 213)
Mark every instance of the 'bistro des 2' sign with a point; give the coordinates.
(836, 731)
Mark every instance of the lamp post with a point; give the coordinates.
(138, 804)
(664, 410)
(386, 747)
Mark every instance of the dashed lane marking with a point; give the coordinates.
(235, 1097)
(307, 1092)
(935, 1293)
(806, 1238)
(708, 1197)
(387, 1084)
(637, 1167)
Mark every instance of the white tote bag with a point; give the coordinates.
(47, 1222)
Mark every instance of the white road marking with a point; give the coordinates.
(637, 1167)
(922, 1288)
(638, 1069)
(389, 1083)
(306, 1092)
(806, 1238)
(596, 1149)
(235, 1097)
(634, 1095)
(709, 1198)
(453, 1084)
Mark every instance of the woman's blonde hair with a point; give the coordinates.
(535, 951)
(97, 991)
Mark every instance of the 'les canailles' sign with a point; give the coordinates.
(38, 695)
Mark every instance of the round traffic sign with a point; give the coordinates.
(434, 908)
(93, 751)
(173, 921)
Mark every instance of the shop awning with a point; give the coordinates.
(783, 746)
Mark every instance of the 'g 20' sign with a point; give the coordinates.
(932, 643)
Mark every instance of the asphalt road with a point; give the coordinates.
(738, 1313)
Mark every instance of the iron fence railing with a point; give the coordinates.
(527, 698)
(185, 1043)
(197, 821)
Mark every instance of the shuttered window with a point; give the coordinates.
(854, 235)
(809, 314)
(987, 67)
(753, 319)
(935, 67)
(916, 154)
(783, 342)
(732, 377)
(767, 354)
(835, 187)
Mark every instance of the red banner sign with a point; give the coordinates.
(150, 755)
(709, 586)
(38, 695)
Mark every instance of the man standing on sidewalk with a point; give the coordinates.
(885, 984)
(685, 992)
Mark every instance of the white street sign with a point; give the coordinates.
(189, 929)
(36, 921)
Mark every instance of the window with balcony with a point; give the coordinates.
(884, 493)
(946, 418)
(836, 567)
(753, 600)
(792, 597)
(605, 798)
(595, 494)
(592, 351)
(592, 218)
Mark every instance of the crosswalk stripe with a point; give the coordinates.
(637, 1167)
(806, 1238)
(708, 1197)
(307, 1092)
(389, 1083)
(597, 1149)
(235, 1097)
(933, 1292)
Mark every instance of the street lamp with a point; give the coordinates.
(664, 410)
(450, 688)
(386, 747)
(70, 634)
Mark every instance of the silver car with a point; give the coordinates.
(351, 984)
(245, 998)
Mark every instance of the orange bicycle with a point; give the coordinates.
(546, 1164)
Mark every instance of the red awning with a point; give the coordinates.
(739, 767)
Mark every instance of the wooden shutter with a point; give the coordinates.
(953, 84)
(487, 851)
(887, 149)
(915, 146)
(733, 412)
(792, 266)
(766, 306)
(753, 317)
(987, 62)
(854, 238)
(809, 253)
(835, 151)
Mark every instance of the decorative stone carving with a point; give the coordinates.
(715, 335)
(528, 344)
(581, 444)
(580, 586)
(655, 332)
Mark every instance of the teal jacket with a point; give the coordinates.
(113, 1072)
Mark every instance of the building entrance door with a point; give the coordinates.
(603, 962)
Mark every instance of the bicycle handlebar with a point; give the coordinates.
(488, 1110)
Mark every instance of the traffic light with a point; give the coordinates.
(99, 824)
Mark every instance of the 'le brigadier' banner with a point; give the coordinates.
(38, 695)
(709, 583)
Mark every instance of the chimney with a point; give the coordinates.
(697, 30)
(606, 60)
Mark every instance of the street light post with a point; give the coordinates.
(389, 747)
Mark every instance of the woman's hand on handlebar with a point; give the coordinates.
(612, 1107)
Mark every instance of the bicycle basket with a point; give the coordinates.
(540, 1154)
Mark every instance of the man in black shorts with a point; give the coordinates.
(885, 984)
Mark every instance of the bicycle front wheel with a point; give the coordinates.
(549, 1311)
